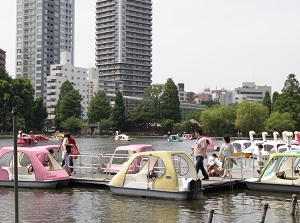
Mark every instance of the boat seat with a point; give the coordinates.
(22, 173)
(3, 174)
(138, 181)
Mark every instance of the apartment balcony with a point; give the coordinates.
(137, 9)
(106, 15)
(102, 31)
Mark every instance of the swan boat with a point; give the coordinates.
(37, 168)
(161, 174)
(280, 174)
(122, 137)
(175, 138)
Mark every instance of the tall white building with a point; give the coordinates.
(44, 29)
(58, 75)
(124, 46)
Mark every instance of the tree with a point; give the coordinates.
(167, 125)
(152, 102)
(210, 103)
(23, 100)
(218, 119)
(279, 122)
(105, 124)
(267, 101)
(289, 99)
(118, 112)
(68, 104)
(6, 91)
(72, 124)
(139, 118)
(99, 107)
(171, 103)
(250, 116)
(40, 114)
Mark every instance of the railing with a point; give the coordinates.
(255, 165)
(86, 163)
(239, 164)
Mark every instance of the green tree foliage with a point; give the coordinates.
(279, 122)
(218, 119)
(40, 114)
(167, 125)
(105, 124)
(186, 126)
(68, 104)
(250, 116)
(267, 101)
(289, 99)
(118, 113)
(23, 100)
(171, 103)
(72, 124)
(66, 87)
(152, 102)
(6, 90)
(138, 118)
(210, 103)
(99, 107)
(274, 98)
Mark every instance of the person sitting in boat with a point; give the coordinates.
(47, 162)
(214, 165)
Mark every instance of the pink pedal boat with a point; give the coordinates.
(37, 168)
(121, 155)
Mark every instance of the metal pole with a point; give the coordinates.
(294, 202)
(210, 216)
(264, 213)
(14, 113)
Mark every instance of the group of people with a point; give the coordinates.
(218, 165)
(66, 147)
(221, 164)
(67, 143)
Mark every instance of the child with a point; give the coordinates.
(214, 164)
(260, 160)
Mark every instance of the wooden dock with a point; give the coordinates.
(211, 185)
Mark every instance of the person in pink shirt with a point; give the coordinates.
(199, 151)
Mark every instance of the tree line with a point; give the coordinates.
(19, 93)
(159, 110)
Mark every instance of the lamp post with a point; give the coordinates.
(14, 114)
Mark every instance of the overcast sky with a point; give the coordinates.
(201, 43)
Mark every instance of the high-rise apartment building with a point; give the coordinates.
(124, 46)
(44, 29)
(2, 58)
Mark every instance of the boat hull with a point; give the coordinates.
(180, 195)
(35, 184)
(261, 186)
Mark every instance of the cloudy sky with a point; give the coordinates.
(202, 43)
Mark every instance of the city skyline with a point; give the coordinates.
(219, 44)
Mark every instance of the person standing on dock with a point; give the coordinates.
(199, 151)
(226, 155)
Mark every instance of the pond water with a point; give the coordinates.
(80, 204)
